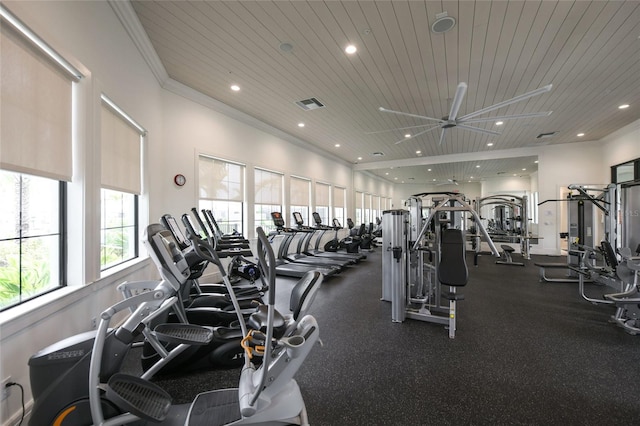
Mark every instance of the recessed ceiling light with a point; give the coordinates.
(514, 174)
(499, 123)
(428, 170)
(625, 106)
(395, 178)
(386, 173)
(418, 152)
(235, 88)
(536, 161)
(337, 145)
(300, 124)
(490, 144)
(434, 180)
(580, 135)
(350, 49)
(407, 135)
(478, 166)
(524, 170)
(470, 177)
(359, 158)
(286, 47)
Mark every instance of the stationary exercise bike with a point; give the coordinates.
(77, 381)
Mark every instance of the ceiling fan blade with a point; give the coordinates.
(509, 117)
(398, 128)
(477, 129)
(457, 100)
(444, 131)
(417, 134)
(508, 102)
(381, 109)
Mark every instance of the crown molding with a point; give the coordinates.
(129, 19)
(124, 11)
(187, 92)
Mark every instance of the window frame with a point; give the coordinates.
(267, 224)
(136, 230)
(123, 187)
(243, 190)
(61, 280)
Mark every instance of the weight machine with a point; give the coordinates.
(511, 220)
(423, 261)
(582, 232)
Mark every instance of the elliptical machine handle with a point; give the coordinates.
(202, 247)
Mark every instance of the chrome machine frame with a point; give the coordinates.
(411, 258)
(514, 202)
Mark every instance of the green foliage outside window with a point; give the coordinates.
(29, 237)
(118, 228)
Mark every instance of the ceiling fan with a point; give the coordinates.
(452, 120)
(452, 181)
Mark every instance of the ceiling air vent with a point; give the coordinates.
(309, 104)
(378, 154)
(545, 135)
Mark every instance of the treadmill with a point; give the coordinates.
(288, 268)
(348, 258)
(299, 257)
(336, 226)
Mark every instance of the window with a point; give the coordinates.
(268, 198)
(375, 209)
(118, 228)
(627, 172)
(221, 187)
(121, 177)
(36, 93)
(322, 201)
(31, 237)
(300, 196)
(339, 203)
(359, 208)
(367, 209)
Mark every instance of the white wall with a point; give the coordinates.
(192, 129)
(621, 146)
(511, 185)
(558, 167)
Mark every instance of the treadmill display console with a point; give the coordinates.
(278, 221)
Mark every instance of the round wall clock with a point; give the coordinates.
(179, 180)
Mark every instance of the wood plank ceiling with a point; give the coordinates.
(589, 51)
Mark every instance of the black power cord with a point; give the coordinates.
(7, 386)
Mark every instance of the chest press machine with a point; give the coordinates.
(424, 262)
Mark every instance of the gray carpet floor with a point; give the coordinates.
(525, 353)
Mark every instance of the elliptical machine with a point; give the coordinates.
(77, 381)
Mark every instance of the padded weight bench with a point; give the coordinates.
(544, 266)
(506, 258)
(452, 270)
